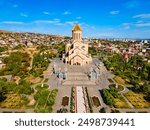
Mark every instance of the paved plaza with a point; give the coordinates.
(77, 76)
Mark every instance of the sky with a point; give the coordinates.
(98, 18)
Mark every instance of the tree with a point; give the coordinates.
(51, 101)
(62, 110)
(24, 87)
(17, 63)
(146, 87)
(2, 90)
(3, 48)
(102, 110)
(115, 111)
(108, 98)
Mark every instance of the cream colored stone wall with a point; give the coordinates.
(77, 52)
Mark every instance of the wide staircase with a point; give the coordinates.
(76, 78)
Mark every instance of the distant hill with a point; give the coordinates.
(3, 31)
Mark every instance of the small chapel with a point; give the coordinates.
(76, 53)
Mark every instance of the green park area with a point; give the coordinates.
(137, 99)
(14, 101)
(136, 71)
(41, 87)
(45, 99)
(112, 98)
(25, 68)
(119, 80)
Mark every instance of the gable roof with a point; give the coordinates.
(77, 28)
(77, 56)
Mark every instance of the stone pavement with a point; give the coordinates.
(77, 76)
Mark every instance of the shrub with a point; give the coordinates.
(89, 100)
(102, 110)
(107, 97)
(62, 110)
(24, 87)
(119, 80)
(71, 101)
(51, 99)
(40, 87)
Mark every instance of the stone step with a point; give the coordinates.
(75, 73)
(68, 83)
(78, 78)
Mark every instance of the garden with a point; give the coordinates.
(137, 99)
(14, 101)
(72, 100)
(41, 87)
(89, 100)
(45, 100)
(112, 98)
(119, 80)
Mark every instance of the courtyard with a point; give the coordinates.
(77, 76)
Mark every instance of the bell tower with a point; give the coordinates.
(77, 52)
(77, 33)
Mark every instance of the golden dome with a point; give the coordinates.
(77, 28)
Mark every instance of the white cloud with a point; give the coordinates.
(66, 13)
(126, 25)
(15, 6)
(54, 22)
(46, 13)
(78, 17)
(71, 23)
(93, 27)
(85, 25)
(143, 24)
(43, 21)
(140, 21)
(23, 15)
(12, 22)
(58, 20)
(60, 24)
(142, 16)
(114, 12)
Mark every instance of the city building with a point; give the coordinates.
(76, 53)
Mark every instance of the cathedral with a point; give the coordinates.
(76, 53)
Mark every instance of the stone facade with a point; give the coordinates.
(76, 53)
